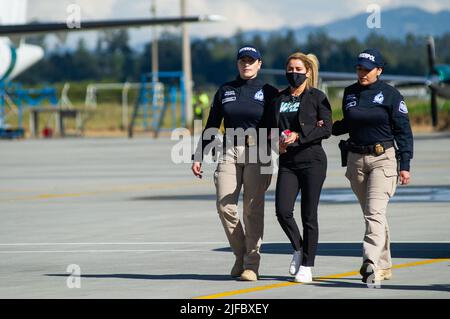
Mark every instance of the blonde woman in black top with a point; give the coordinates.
(302, 163)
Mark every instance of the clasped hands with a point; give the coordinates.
(287, 137)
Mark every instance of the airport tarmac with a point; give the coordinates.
(133, 224)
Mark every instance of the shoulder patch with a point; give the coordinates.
(402, 107)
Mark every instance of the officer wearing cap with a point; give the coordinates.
(240, 104)
(379, 152)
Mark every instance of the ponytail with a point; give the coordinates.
(312, 66)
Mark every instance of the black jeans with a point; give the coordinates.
(308, 178)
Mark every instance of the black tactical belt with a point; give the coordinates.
(249, 140)
(376, 149)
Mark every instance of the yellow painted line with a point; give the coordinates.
(421, 263)
(112, 190)
(335, 276)
(244, 291)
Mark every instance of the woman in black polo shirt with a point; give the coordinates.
(302, 162)
(375, 115)
(241, 105)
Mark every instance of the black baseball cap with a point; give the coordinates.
(250, 51)
(371, 58)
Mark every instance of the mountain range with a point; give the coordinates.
(395, 23)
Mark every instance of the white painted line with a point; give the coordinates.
(128, 243)
(204, 243)
(100, 251)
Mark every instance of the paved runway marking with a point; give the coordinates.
(99, 251)
(118, 243)
(335, 276)
(224, 243)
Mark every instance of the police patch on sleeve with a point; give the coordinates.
(402, 108)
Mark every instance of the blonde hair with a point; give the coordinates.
(312, 66)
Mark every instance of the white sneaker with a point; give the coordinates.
(303, 275)
(295, 263)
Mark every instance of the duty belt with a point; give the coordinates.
(376, 149)
(248, 140)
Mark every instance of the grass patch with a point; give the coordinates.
(107, 116)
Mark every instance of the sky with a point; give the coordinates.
(244, 15)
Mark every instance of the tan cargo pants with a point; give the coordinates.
(233, 172)
(374, 180)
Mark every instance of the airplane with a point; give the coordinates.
(16, 56)
(437, 80)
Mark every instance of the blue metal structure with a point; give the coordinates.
(153, 110)
(21, 98)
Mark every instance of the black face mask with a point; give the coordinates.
(295, 79)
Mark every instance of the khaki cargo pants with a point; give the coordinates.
(233, 172)
(374, 180)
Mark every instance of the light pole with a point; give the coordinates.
(155, 61)
(187, 69)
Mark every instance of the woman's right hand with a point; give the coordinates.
(197, 169)
(405, 177)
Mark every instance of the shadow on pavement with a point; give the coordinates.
(332, 283)
(398, 250)
(331, 196)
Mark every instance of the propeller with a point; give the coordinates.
(434, 115)
(431, 55)
(431, 66)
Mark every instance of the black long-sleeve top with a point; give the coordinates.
(240, 104)
(306, 110)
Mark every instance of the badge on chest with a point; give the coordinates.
(379, 98)
(259, 96)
